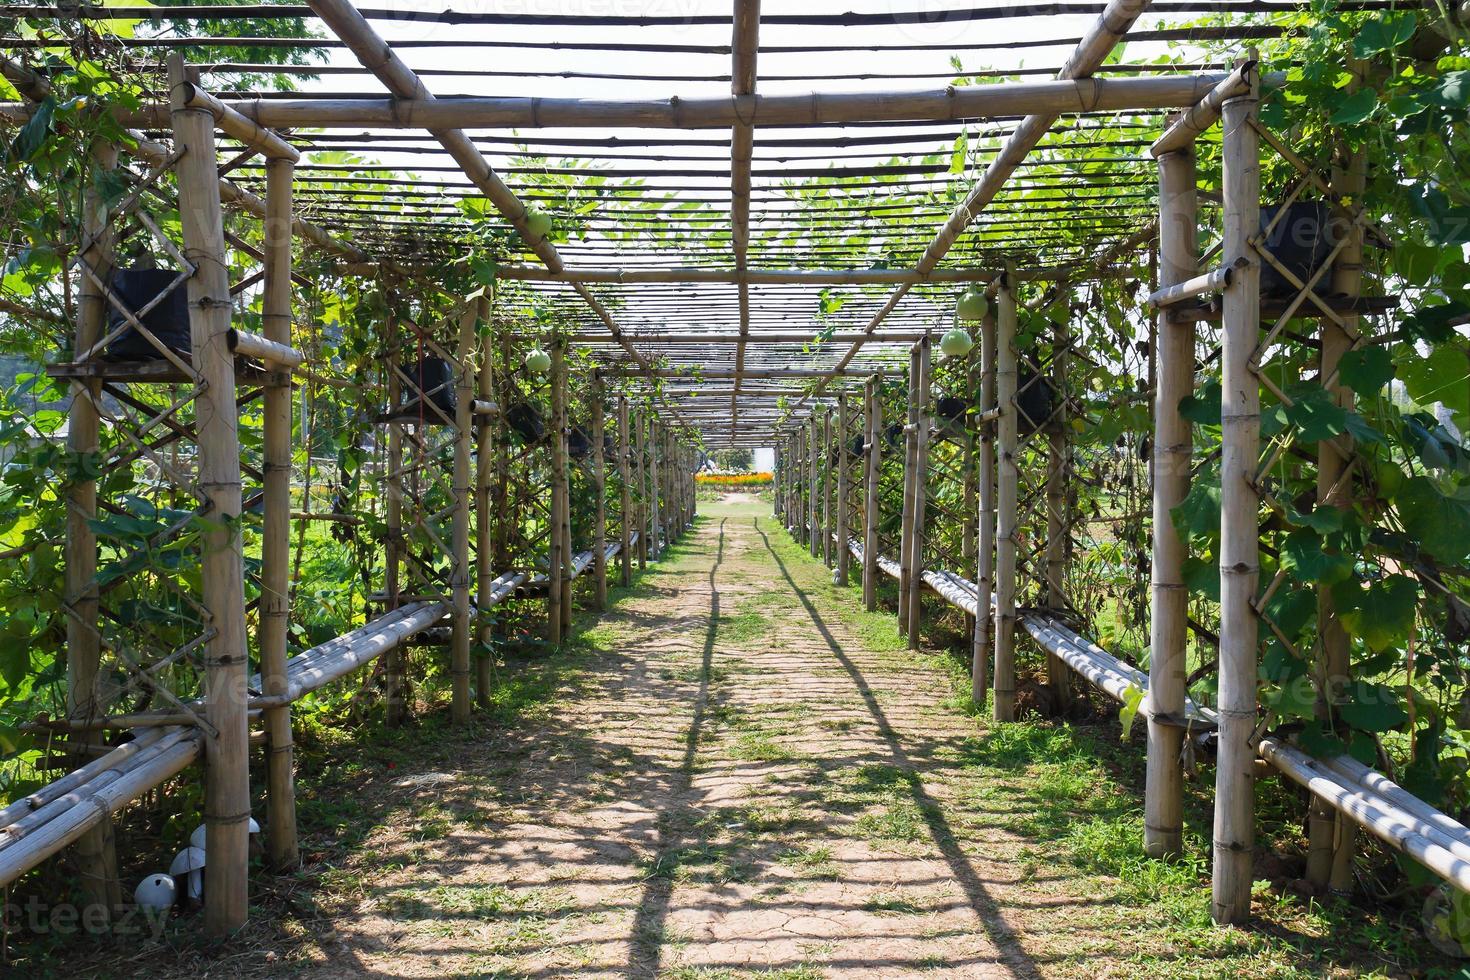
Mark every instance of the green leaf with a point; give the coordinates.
(1202, 577)
(1297, 698)
(1132, 699)
(1203, 407)
(1315, 414)
(1199, 513)
(1440, 524)
(1366, 370)
(1443, 376)
(1382, 616)
(1320, 744)
(1355, 108)
(1453, 90)
(33, 135)
(1305, 554)
(1384, 33)
(1373, 708)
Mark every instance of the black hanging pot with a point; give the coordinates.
(168, 320)
(526, 423)
(1034, 398)
(857, 446)
(431, 375)
(579, 444)
(950, 408)
(893, 435)
(1301, 241)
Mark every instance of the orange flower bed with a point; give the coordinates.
(734, 481)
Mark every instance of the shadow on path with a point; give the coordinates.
(987, 910)
(645, 943)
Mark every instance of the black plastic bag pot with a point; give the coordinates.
(429, 374)
(1034, 398)
(1301, 241)
(526, 423)
(168, 321)
(579, 444)
(856, 446)
(893, 435)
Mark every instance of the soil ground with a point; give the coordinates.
(735, 772)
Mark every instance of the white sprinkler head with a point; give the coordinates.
(189, 864)
(155, 893)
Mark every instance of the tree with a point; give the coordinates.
(734, 460)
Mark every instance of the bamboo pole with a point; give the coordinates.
(556, 560)
(873, 438)
(827, 514)
(625, 514)
(227, 754)
(96, 851)
(655, 521)
(1234, 825)
(969, 490)
(982, 644)
(644, 548)
(1058, 471)
(599, 487)
(921, 497)
(275, 572)
(462, 628)
(1163, 815)
(393, 552)
(843, 468)
(421, 111)
(1007, 481)
(1330, 836)
(906, 568)
(485, 552)
(813, 511)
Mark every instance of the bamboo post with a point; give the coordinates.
(906, 518)
(873, 417)
(921, 477)
(1007, 480)
(555, 561)
(485, 463)
(275, 572)
(1234, 830)
(826, 514)
(227, 751)
(463, 629)
(985, 519)
(1058, 471)
(506, 514)
(969, 506)
(394, 518)
(599, 487)
(642, 502)
(655, 522)
(625, 513)
(1330, 835)
(813, 513)
(564, 518)
(1163, 815)
(843, 466)
(95, 851)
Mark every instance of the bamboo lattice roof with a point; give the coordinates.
(660, 205)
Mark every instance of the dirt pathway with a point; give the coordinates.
(736, 784)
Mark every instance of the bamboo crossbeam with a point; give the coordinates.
(1205, 113)
(254, 345)
(1214, 281)
(233, 124)
(415, 108)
